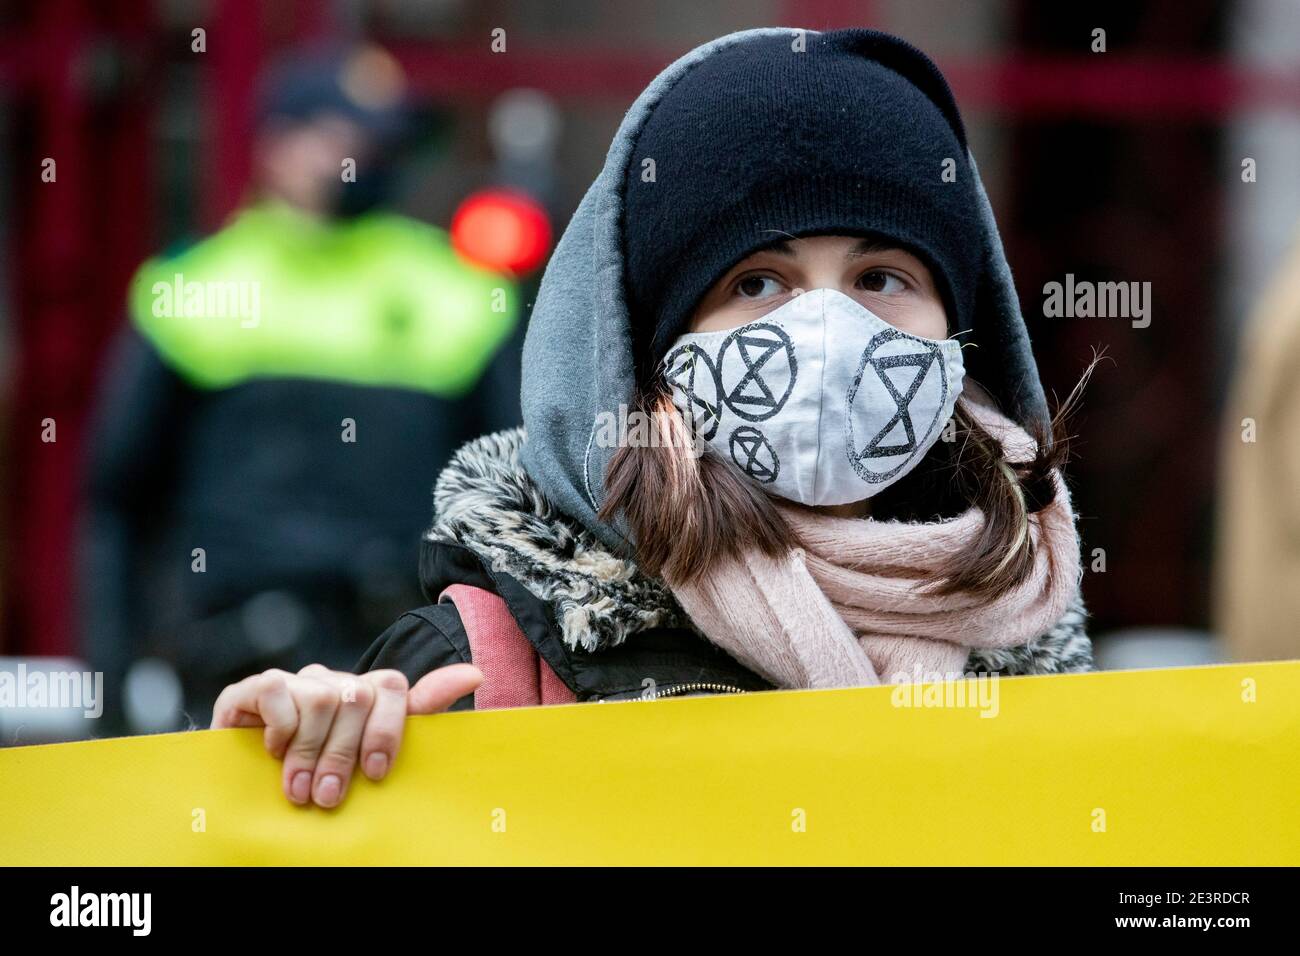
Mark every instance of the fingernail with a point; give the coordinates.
(328, 790)
(376, 765)
(300, 786)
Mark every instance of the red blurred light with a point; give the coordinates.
(502, 230)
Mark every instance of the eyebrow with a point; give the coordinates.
(868, 246)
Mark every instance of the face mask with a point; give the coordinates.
(819, 401)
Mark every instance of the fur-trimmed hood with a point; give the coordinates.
(486, 502)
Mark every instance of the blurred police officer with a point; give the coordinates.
(285, 392)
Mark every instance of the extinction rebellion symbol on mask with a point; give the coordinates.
(756, 370)
(903, 371)
(754, 454)
(692, 371)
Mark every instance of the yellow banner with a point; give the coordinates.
(1191, 766)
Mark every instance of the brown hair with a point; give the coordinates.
(687, 511)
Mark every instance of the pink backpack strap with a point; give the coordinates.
(514, 674)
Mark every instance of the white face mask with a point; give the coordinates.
(819, 401)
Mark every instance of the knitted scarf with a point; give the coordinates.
(850, 607)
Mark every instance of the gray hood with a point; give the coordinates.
(578, 359)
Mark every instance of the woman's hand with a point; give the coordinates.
(321, 722)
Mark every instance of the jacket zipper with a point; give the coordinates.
(674, 690)
(705, 686)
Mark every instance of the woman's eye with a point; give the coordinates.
(885, 283)
(758, 287)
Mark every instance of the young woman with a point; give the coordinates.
(788, 264)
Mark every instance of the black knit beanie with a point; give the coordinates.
(762, 141)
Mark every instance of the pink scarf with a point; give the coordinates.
(848, 610)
